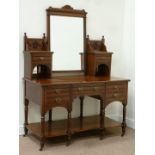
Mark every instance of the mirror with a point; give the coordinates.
(67, 42)
(66, 36)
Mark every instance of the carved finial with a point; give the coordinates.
(103, 39)
(25, 39)
(68, 7)
(44, 36)
(104, 48)
(25, 35)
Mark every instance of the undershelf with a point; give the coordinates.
(59, 128)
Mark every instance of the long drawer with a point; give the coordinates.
(41, 59)
(89, 90)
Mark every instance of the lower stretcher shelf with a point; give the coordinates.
(59, 127)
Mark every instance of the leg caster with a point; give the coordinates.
(123, 129)
(101, 134)
(25, 132)
(26, 103)
(68, 140)
(41, 146)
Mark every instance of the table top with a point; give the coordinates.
(75, 80)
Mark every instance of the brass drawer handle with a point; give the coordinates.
(58, 100)
(96, 88)
(116, 87)
(115, 95)
(57, 91)
(80, 89)
(42, 58)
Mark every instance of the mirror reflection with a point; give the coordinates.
(67, 42)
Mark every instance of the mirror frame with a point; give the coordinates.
(67, 10)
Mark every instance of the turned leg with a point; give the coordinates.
(124, 119)
(26, 103)
(69, 128)
(81, 106)
(42, 142)
(102, 116)
(50, 116)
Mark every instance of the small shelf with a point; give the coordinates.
(59, 128)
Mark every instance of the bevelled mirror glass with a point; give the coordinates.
(67, 42)
(66, 32)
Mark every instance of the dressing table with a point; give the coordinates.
(55, 79)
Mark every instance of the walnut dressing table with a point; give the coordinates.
(48, 90)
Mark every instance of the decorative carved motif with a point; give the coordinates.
(35, 44)
(68, 7)
(66, 10)
(96, 45)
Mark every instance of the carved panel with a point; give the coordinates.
(35, 44)
(96, 45)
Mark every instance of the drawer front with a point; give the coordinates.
(116, 91)
(56, 92)
(57, 97)
(105, 60)
(41, 59)
(59, 101)
(88, 90)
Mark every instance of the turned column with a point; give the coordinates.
(26, 103)
(50, 116)
(81, 106)
(124, 119)
(69, 128)
(102, 116)
(42, 141)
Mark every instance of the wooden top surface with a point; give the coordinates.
(75, 80)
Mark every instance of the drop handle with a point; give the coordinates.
(58, 100)
(115, 95)
(41, 58)
(56, 91)
(80, 89)
(96, 88)
(116, 87)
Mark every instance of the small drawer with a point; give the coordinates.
(41, 59)
(118, 87)
(95, 90)
(103, 60)
(59, 101)
(115, 96)
(54, 92)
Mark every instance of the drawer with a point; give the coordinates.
(115, 96)
(59, 101)
(90, 90)
(41, 59)
(56, 92)
(116, 87)
(103, 60)
(116, 91)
